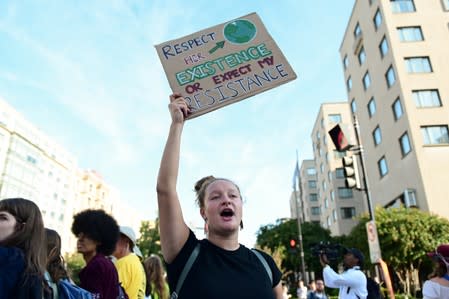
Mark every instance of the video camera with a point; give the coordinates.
(332, 251)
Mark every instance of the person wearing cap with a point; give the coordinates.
(352, 281)
(437, 286)
(130, 270)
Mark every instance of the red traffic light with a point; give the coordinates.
(292, 243)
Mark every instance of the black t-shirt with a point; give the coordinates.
(222, 274)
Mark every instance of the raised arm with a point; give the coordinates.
(173, 230)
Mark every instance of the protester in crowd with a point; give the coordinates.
(97, 234)
(285, 294)
(318, 293)
(55, 262)
(224, 268)
(157, 287)
(22, 256)
(352, 282)
(438, 284)
(301, 291)
(311, 287)
(130, 270)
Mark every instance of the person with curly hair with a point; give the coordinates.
(224, 268)
(22, 256)
(97, 234)
(157, 287)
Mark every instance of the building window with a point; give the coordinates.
(377, 136)
(344, 192)
(362, 56)
(315, 211)
(383, 167)
(418, 65)
(357, 30)
(313, 197)
(347, 213)
(312, 184)
(334, 215)
(426, 98)
(329, 176)
(397, 109)
(353, 106)
(326, 203)
(435, 135)
(311, 171)
(401, 6)
(340, 173)
(371, 107)
(349, 84)
(366, 80)
(377, 20)
(404, 142)
(334, 118)
(332, 195)
(410, 34)
(324, 185)
(390, 76)
(345, 62)
(383, 47)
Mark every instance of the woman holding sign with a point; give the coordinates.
(218, 266)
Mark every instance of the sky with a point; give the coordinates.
(87, 74)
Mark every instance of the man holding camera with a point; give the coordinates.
(352, 281)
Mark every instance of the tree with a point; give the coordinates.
(275, 238)
(405, 236)
(149, 241)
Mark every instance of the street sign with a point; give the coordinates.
(373, 242)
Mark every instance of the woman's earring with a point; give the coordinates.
(206, 227)
(241, 224)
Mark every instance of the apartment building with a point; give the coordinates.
(396, 66)
(35, 167)
(339, 206)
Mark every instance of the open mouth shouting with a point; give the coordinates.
(227, 214)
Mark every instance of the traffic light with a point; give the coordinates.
(339, 138)
(351, 171)
(292, 246)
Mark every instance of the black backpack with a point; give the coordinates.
(373, 289)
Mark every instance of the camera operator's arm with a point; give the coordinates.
(346, 279)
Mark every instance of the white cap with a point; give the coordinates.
(129, 233)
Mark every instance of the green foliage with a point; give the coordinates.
(149, 241)
(276, 237)
(405, 236)
(75, 263)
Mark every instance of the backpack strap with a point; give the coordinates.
(186, 270)
(264, 263)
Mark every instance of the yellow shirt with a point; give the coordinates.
(132, 276)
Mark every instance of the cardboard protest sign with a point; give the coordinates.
(224, 64)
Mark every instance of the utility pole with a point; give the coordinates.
(297, 181)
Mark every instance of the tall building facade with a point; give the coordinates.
(308, 192)
(396, 67)
(35, 167)
(339, 206)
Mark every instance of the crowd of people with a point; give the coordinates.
(31, 264)
(215, 267)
